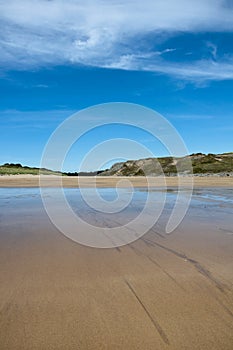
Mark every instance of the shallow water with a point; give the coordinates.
(126, 204)
(30, 197)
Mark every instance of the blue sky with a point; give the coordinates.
(58, 57)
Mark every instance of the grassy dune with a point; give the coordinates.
(201, 164)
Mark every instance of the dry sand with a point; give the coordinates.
(161, 292)
(107, 181)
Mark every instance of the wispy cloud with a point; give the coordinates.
(17, 119)
(201, 70)
(213, 49)
(190, 116)
(110, 34)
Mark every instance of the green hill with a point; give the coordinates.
(18, 169)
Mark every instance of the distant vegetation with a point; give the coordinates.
(212, 163)
(83, 173)
(18, 169)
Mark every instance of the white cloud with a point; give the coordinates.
(109, 33)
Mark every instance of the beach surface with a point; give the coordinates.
(108, 181)
(164, 291)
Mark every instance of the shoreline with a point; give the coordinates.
(7, 181)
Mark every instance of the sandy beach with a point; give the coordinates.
(136, 253)
(107, 181)
(164, 291)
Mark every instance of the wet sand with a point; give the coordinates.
(107, 181)
(161, 292)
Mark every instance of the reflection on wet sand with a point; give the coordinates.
(162, 291)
